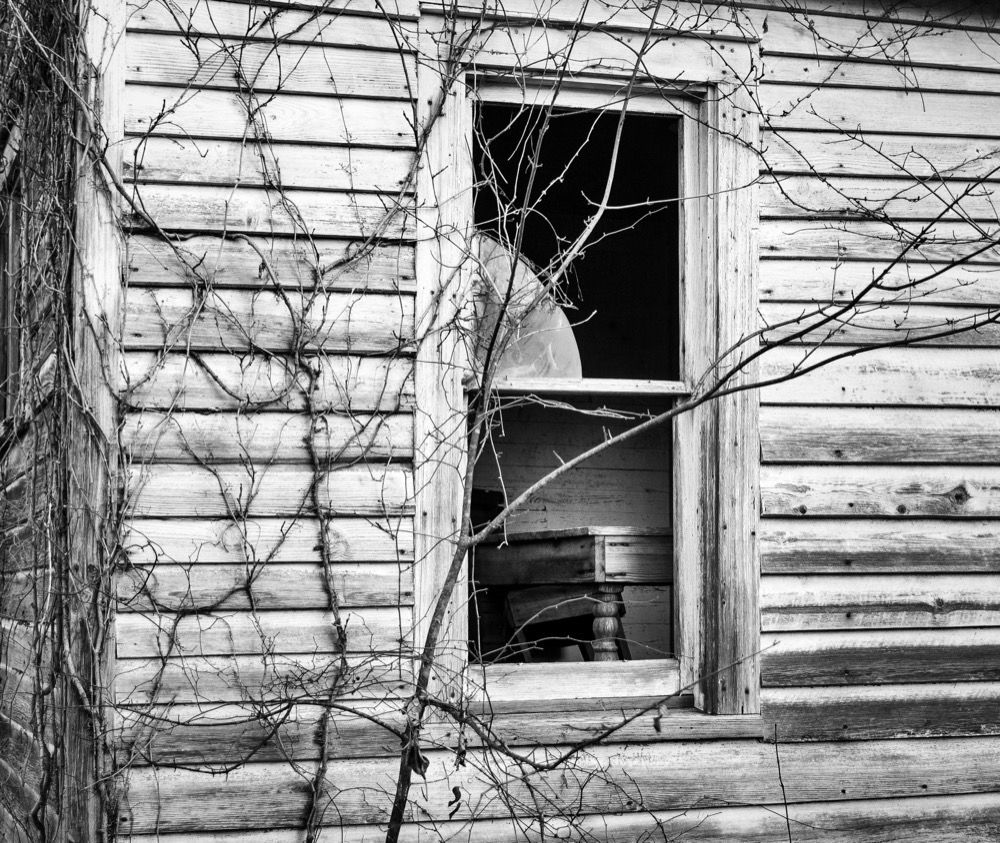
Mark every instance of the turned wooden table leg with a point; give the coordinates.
(606, 622)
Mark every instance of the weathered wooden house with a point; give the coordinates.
(294, 261)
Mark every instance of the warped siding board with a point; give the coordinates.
(872, 155)
(274, 679)
(289, 68)
(389, 9)
(889, 711)
(865, 323)
(877, 601)
(880, 111)
(851, 73)
(893, 491)
(882, 435)
(586, 50)
(912, 376)
(816, 546)
(266, 438)
(824, 281)
(966, 818)
(330, 265)
(239, 491)
(328, 24)
(672, 775)
(221, 209)
(877, 38)
(230, 382)
(267, 540)
(22, 751)
(695, 19)
(945, 242)
(873, 199)
(22, 593)
(237, 320)
(880, 657)
(242, 633)
(20, 547)
(175, 588)
(160, 110)
(253, 164)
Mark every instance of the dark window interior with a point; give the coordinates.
(621, 291)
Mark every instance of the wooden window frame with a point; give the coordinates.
(716, 487)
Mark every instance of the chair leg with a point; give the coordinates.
(607, 622)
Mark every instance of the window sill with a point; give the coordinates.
(550, 704)
(588, 386)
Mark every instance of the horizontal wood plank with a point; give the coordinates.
(329, 265)
(880, 657)
(294, 68)
(238, 491)
(232, 382)
(160, 110)
(870, 712)
(883, 435)
(204, 208)
(272, 586)
(870, 601)
(263, 164)
(914, 376)
(226, 633)
(823, 281)
(963, 818)
(662, 776)
(803, 546)
(892, 491)
(266, 438)
(237, 320)
(151, 541)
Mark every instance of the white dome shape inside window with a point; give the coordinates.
(536, 338)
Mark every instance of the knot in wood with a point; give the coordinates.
(959, 495)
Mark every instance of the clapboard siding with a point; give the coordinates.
(239, 320)
(673, 775)
(230, 162)
(804, 546)
(161, 110)
(266, 438)
(328, 264)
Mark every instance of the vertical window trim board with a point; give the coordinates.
(717, 570)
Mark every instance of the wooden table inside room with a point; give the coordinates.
(607, 558)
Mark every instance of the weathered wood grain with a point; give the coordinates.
(340, 23)
(890, 711)
(834, 546)
(894, 491)
(931, 377)
(266, 438)
(965, 818)
(160, 110)
(203, 208)
(657, 777)
(273, 678)
(292, 68)
(880, 657)
(524, 682)
(824, 280)
(928, 325)
(943, 242)
(803, 197)
(878, 601)
(150, 541)
(913, 112)
(883, 435)
(238, 491)
(216, 381)
(329, 265)
(263, 164)
(909, 157)
(200, 587)
(238, 320)
(224, 633)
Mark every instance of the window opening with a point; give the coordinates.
(586, 570)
